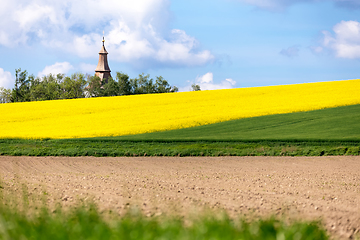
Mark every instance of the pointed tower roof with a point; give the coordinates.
(103, 70)
(103, 50)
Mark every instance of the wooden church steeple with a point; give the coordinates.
(102, 70)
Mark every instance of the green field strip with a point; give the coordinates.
(116, 148)
(339, 124)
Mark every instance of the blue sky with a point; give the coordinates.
(214, 43)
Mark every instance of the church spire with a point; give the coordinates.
(102, 70)
(103, 41)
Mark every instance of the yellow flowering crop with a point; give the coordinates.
(115, 116)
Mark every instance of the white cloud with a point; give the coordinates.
(179, 49)
(6, 79)
(145, 47)
(87, 68)
(206, 82)
(137, 31)
(345, 42)
(63, 67)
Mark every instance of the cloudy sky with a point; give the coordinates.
(214, 43)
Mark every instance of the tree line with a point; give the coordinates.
(51, 87)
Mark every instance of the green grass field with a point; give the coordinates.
(339, 124)
(86, 222)
(334, 131)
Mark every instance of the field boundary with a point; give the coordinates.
(117, 148)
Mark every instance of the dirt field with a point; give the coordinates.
(316, 188)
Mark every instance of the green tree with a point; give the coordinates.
(51, 87)
(37, 90)
(21, 92)
(142, 84)
(123, 83)
(111, 88)
(93, 87)
(162, 86)
(195, 87)
(74, 86)
(174, 89)
(46, 88)
(5, 95)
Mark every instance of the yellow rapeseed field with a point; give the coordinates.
(115, 116)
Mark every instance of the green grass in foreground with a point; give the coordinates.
(333, 131)
(88, 223)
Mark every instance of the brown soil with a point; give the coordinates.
(312, 188)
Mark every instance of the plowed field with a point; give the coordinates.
(311, 188)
